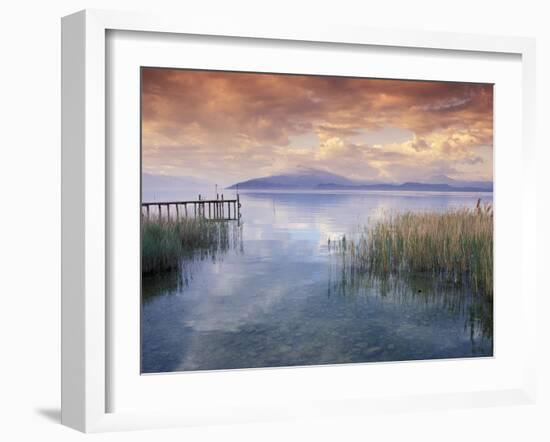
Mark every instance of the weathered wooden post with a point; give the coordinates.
(238, 209)
(177, 211)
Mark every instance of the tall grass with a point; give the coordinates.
(165, 242)
(456, 245)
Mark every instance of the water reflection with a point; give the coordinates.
(278, 300)
(419, 291)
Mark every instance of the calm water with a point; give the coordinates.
(278, 298)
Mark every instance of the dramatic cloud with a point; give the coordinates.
(226, 126)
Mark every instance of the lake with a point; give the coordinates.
(277, 298)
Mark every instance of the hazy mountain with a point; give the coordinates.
(308, 178)
(405, 187)
(444, 179)
(151, 181)
(301, 178)
(172, 188)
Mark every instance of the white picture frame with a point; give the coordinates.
(86, 206)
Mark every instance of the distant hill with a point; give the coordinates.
(443, 179)
(405, 187)
(302, 178)
(172, 188)
(314, 179)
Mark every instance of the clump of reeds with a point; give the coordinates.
(164, 242)
(456, 245)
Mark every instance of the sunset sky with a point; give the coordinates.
(227, 127)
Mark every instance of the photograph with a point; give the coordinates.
(292, 220)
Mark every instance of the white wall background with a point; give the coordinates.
(30, 215)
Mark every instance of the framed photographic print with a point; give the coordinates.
(295, 220)
(292, 222)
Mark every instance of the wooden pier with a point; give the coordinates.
(218, 209)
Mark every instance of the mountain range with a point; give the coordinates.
(314, 179)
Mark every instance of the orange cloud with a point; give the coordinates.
(194, 121)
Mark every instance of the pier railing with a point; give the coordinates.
(218, 209)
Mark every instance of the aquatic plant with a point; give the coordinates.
(456, 245)
(164, 242)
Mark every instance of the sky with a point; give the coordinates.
(227, 127)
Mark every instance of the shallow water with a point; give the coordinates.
(279, 299)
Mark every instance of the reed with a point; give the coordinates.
(165, 242)
(456, 245)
